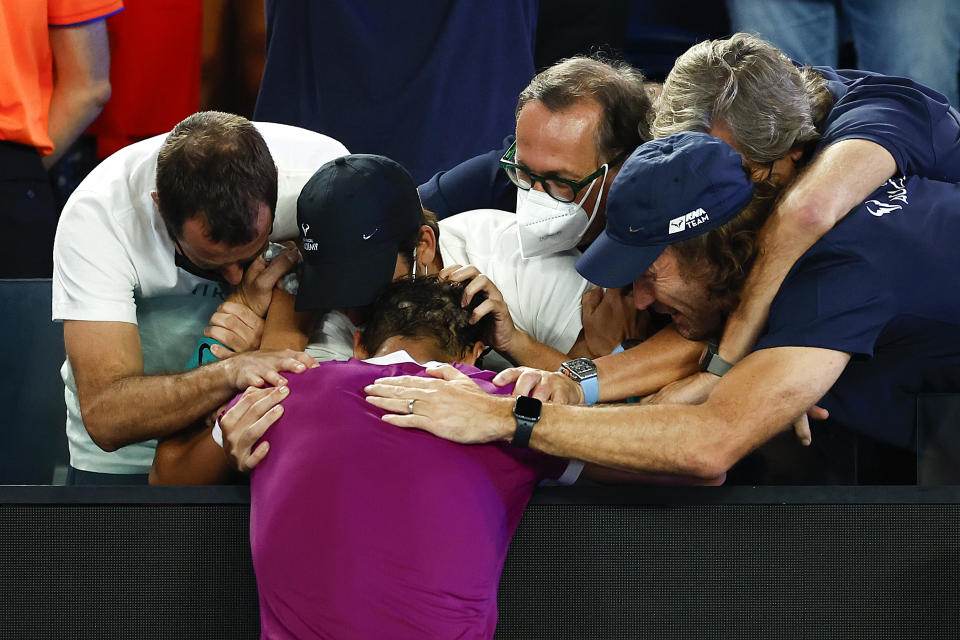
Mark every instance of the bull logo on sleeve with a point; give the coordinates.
(877, 208)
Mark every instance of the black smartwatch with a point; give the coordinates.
(711, 362)
(526, 412)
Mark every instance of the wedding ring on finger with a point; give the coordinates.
(410, 405)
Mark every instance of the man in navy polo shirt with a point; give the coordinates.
(858, 128)
(867, 317)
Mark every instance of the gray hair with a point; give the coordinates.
(616, 86)
(769, 104)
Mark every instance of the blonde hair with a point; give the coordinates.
(769, 104)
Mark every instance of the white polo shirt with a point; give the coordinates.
(113, 261)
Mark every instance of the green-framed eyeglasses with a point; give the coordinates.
(557, 188)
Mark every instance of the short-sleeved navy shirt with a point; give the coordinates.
(478, 183)
(883, 285)
(913, 122)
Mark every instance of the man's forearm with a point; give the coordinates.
(286, 328)
(645, 368)
(138, 408)
(72, 109)
(81, 57)
(191, 457)
(527, 352)
(698, 441)
(781, 248)
(682, 440)
(837, 180)
(754, 401)
(693, 441)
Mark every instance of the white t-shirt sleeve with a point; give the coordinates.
(93, 275)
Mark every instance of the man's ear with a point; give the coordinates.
(427, 247)
(472, 354)
(795, 154)
(359, 352)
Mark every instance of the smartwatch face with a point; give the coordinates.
(581, 367)
(528, 407)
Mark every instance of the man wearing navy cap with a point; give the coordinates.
(858, 128)
(860, 325)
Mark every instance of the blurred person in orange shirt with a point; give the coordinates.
(54, 80)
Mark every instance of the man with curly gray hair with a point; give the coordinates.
(855, 129)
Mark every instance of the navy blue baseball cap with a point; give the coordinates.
(354, 213)
(668, 190)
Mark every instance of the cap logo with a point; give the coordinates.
(688, 221)
(308, 244)
(367, 236)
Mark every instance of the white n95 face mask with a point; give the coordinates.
(546, 225)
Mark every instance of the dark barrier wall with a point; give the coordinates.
(34, 414)
(851, 562)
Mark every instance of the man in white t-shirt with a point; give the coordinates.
(146, 249)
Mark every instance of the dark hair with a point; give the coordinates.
(725, 255)
(616, 86)
(216, 165)
(425, 308)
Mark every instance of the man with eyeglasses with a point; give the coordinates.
(576, 122)
(146, 249)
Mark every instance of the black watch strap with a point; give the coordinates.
(526, 412)
(711, 362)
